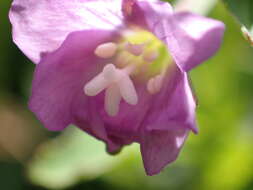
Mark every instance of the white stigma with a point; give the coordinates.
(112, 100)
(117, 84)
(98, 84)
(127, 90)
(110, 72)
(106, 50)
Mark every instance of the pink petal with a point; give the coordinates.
(146, 13)
(41, 27)
(190, 38)
(57, 97)
(174, 104)
(166, 126)
(160, 148)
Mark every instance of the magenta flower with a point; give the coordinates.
(117, 69)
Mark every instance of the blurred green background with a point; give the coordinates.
(219, 157)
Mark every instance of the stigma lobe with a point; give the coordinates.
(117, 84)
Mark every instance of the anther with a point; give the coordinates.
(158, 82)
(154, 85)
(106, 50)
(135, 49)
(150, 86)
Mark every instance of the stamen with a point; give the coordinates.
(155, 84)
(135, 49)
(112, 100)
(158, 82)
(106, 50)
(150, 86)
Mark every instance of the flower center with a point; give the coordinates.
(138, 55)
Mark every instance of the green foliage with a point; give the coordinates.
(243, 10)
(197, 6)
(71, 157)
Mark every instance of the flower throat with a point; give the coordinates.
(138, 55)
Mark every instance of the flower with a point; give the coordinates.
(117, 69)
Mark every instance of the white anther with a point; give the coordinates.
(158, 82)
(150, 56)
(112, 100)
(135, 49)
(150, 86)
(127, 89)
(110, 72)
(155, 84)
(106, 50)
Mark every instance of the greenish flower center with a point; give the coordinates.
(155, 57)
(137, 55)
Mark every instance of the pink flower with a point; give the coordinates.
(117, 69)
